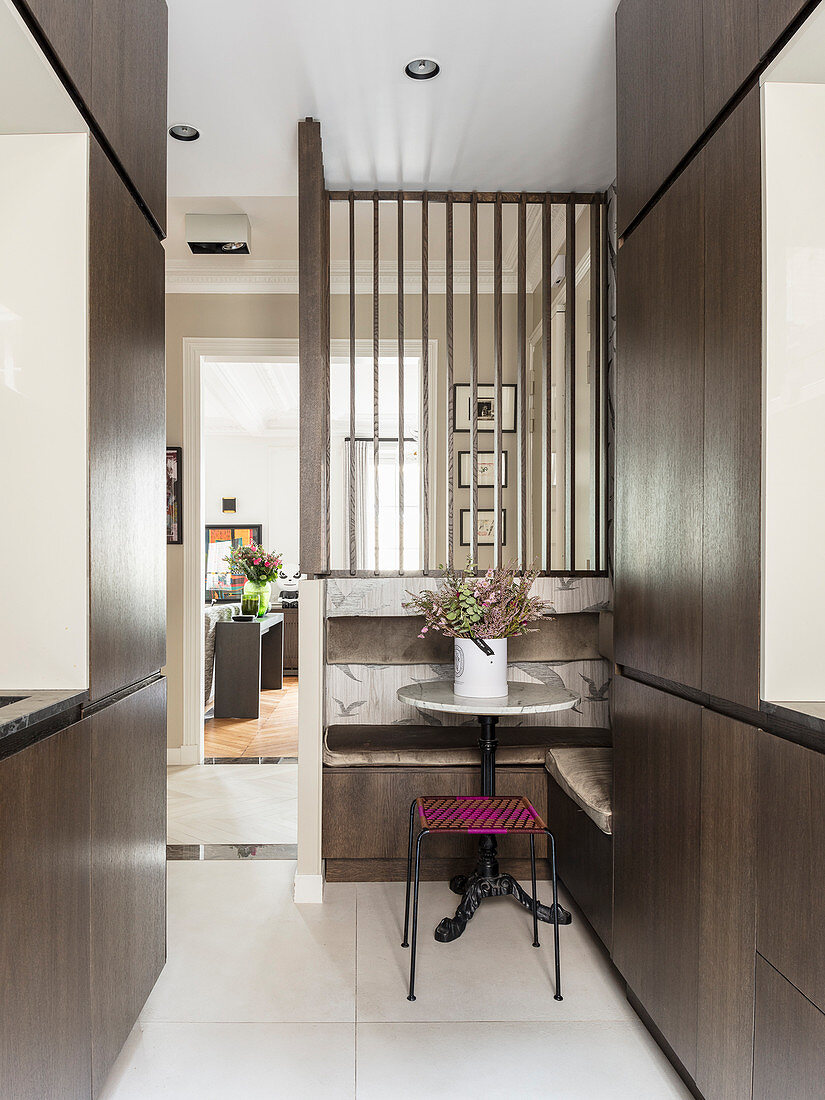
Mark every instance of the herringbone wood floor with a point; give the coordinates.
(275, 733)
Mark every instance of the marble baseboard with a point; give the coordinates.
(366, 694)
(175, 852)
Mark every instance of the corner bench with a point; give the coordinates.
(379, 770)
(580, 815)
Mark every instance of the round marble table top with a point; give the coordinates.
(521, 699)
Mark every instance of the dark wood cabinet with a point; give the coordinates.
(129, 91)
(657, 741)
(659, 459)
(660, 108)
(127, 437)
(67, 28)
(733, 407)
(128, 860)
(290, 615)
(730, 32)
(775, 16)
(44, 893)
(789, 1054)
(791, 863)
(727, 900)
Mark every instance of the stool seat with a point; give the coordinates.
(478, 814)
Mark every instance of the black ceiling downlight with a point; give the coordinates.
(422, 68)
(181, 132)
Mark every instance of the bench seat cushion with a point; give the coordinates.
(347, 746)
(586, 775)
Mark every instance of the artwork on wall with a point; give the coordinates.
(486, 464)
(221, 585)
(174, 496)
(485, 527)
(485, 408)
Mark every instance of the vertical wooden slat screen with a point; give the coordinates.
(448, 307)
(570, 386)
(510, 237)
(313, 342)
(497, 368)
(546, 254)
(400, 383)
(474, 378)
(376, 408)
(425, 383)
(596, 377)
(604, 555)
(353, 559)
(522, 374)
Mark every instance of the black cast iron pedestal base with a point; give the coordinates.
(475, 888)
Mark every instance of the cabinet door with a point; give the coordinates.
(44, 945)
(789, 1056)
(129, 91)
(659, 464)
(67, 28)
(127, 434)
(128, 925)
(791, 863)
(775, 16)
(730, 30)
(727, 920)
(657, 760)
(660, 108)
(733, 407)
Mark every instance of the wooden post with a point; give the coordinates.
(313, 343)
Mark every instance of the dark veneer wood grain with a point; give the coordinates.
(733, 407)
(128, 823)
(127, 436)
(659, 463)
(657, 773)
(44, 946)
(660, 109)
(791, 863)
(67, 28)
(730, 32)
(727, 928)
(789, 1057)
(775, 16)
(129, 91)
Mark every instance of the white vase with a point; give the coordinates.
(478, 675)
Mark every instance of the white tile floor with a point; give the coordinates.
(232, 804)
(261, 999)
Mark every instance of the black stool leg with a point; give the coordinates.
(421, 835)
(535, 892)
(409, 874)
(557, 996)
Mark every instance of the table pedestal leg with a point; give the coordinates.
(486, 881)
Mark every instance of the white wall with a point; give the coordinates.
(263, 474)
(794, 476)
(44, 541)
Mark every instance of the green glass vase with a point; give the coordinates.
(261, 589)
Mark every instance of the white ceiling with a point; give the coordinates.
(525, 99)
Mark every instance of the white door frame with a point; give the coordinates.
(195, 350)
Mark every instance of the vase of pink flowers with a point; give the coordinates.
(480, 612)
(260, 567)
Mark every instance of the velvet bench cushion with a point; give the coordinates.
(354, 745)
(586, 775)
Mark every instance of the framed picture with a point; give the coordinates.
(485, 524)
(174, 496)
(485, 408)
(219, 538)
(486, 463)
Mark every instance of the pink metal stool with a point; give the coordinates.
(482, 815)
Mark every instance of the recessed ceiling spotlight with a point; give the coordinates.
(234, 246)
(184, 133)
(422, 68)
